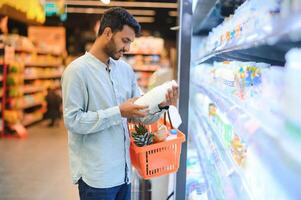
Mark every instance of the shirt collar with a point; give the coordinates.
(107, 67)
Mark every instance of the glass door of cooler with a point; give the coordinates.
(244, 109)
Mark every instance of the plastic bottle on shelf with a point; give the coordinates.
(172, 134)
(292, 99)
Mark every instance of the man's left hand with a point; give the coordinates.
(171, 97)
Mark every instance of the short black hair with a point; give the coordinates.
(116, 18)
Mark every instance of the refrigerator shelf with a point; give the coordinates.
(238, 181)
(209, 167)
(268, 140)
(270, 47)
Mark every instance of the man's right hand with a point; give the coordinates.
(129, 110)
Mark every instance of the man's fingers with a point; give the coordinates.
(133, 99)
(138, 107)
(170, 96)
(140, 113)
(175, 91)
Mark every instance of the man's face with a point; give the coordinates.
(120, 42)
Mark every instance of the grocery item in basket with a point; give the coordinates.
(172, 134)
(156, 95)
(161, 134)
(142, 137)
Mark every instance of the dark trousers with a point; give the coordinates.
(86, 192)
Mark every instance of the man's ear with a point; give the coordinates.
(108, 33)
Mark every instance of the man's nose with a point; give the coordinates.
(126, 48)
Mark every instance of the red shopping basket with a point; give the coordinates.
(156, 159)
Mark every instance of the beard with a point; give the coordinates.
(112, 51)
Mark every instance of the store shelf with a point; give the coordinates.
(210, 13)
(206, 9)
(144, 70)
(30, 51)
(142, 54)
(33, 120)
(18, 15)
(203, 150)
(54, 65)
(32, 89)
(56, 86)
(262, 133)
(30, 105)
(42, 77)
(233, 185)
(233, 172)
(270, 48)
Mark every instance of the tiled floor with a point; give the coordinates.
(36, 168)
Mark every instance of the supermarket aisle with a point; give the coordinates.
(37, 167)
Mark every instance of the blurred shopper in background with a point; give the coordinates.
(53, 107)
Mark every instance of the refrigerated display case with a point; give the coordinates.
(244, 115)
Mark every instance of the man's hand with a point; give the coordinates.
(171, 97)
(128, 109)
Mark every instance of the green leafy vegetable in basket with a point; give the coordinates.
(142, 137)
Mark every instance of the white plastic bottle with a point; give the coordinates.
(172, 134)
(156, 95)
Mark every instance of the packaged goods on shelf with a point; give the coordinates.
(46, 83)
(15, 79)
(13, 116)
(252, 22)
(144, 57)
(34, 59)
(196, 185)
(247, 105)
(15, 91)
(235, 152)
(147, 45)
(242, 80)
(20, 43)
(27, 101)
(43, 73)
(244, 109)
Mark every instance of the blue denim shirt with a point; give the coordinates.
(98, 136)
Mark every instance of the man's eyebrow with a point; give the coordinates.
(128, 39)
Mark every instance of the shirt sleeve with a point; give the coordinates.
(153, 115)
(75, 100)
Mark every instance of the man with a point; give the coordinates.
(98, 99)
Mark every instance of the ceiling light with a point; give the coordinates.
(123, 4)
(105, 1)
(102, 10)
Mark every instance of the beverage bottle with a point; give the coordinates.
(156, 95)
(172, 134)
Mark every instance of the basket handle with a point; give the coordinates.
(165, 123)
